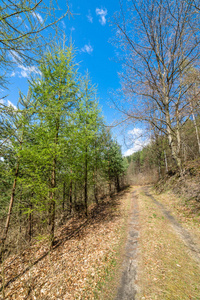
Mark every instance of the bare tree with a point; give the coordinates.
(196, 4)
(160, 40)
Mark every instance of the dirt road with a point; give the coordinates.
(128, 287)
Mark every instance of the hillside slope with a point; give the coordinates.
(77, 267)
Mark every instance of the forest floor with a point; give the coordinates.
(136, 245)
(82, 261)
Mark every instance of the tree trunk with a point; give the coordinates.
(117, 183)
(95, 187)
(75, 193)
(3, 239)
(52, 204)
(64, 193)
(52, 193)
(86, 183)
(174, 149)
(197, 131)
(11, 199)
(109, 177)
(30, 223)
(20, 212)
(70, 197)
(10, 208)
(166, 164)
(95, 176)
(110, 187)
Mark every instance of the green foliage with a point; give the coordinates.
(22, 24)
(115, 164)
(55, 148)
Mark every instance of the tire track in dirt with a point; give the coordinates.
(128, 288)
(184, 235)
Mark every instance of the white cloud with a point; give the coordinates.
(87, 49)
(136, 135)
(63, 24)
(136, 132)
(37, 16)
(89, 17)
(13, 74)
(102, 12)
(9, 103)
(131, 151)
(27, 71)
(18, 17)
(24, 71)
(15, 56)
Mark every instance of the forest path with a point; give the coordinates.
(157, 249)
(128, 288)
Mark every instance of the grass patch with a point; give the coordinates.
(187, 212)
(166, 271)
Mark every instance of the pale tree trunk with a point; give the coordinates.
(197, 131)
(166, 164)
(178, 141)
(174, 149)
(195, 126)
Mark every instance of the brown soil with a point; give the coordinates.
(128, 288)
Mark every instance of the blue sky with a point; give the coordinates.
(91, 32)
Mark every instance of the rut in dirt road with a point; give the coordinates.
(185, 236)
(128, 288)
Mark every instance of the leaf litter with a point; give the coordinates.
(84, 249)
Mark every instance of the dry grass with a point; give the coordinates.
(144, 178)
(166, 271)
(78, 267)
(187, 212)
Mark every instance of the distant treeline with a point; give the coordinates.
(155, 160)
